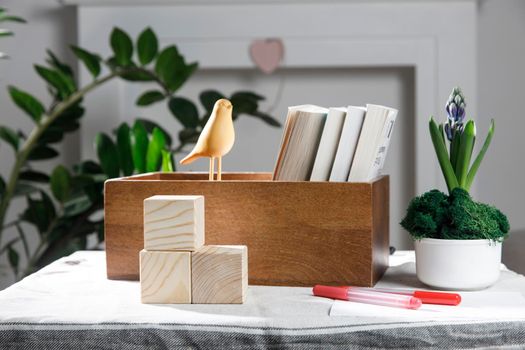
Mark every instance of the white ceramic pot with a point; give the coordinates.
(458, 264)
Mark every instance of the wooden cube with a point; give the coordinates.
(174, 223)
(219, 274)
(165, 277)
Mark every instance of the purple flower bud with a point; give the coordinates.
(448, 131)
(461, 113)
(455, 107)
(453, 111)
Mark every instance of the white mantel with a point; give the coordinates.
(436, 38)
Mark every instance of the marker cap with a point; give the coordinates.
(331, 292)
(438, 298)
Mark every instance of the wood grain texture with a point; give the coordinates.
(165, 277)
(298, 233)
(173, 222)
(219, 274)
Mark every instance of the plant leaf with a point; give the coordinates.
(185, 111)
(10, 137)
(248, 95)
(168, 58)
(137, 75)
(56, 63)
(108, 155)
(189, 135)
(61, 183)
(6, 32)
(122, 46)
(243, 105)
(24, 188)
(468, 137)
(147, 46)
(62, 83)
(76, 206)
(90, 60)
(155, 147)
(34, 176)
(12, 19)
(52, 134)
(442, 155)
(167, 161)
(171, 68)
(27, 103)
(2, 187)
(150, 97)
(208, 98)
(14, 259)
(139, 146)
(124, 149)
(42, 153)
(39, 212)
(477, 162)
(150, 125)
(454, 149)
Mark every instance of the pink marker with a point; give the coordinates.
(426, 296)
(359, 295)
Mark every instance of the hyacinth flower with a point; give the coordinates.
(456, 166)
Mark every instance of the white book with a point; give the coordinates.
(303, 129)
(347, 143)
(373, 143)
(328, 144)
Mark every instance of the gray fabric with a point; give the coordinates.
(168, 336)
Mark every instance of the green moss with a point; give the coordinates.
(436, 215)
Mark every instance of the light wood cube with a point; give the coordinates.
(219, 274)
(165, 277)
(174, 223)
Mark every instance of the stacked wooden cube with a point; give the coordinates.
(175, 265)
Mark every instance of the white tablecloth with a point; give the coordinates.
(71, 304)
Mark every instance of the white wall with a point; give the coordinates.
(501, 78)
(501, 96)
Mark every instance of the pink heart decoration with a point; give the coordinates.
(267, 54)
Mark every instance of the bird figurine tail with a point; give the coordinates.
(190, 158)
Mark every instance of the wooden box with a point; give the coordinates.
(297, 233)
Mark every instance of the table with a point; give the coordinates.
(71, 305)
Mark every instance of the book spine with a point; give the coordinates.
(382, 150)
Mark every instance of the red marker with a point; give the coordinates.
(367, 296)
(427, 297)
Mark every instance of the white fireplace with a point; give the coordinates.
(407, 54)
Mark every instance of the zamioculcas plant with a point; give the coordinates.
(65, 214)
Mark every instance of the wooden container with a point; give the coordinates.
(297, 233)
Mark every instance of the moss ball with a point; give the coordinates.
(457, 216)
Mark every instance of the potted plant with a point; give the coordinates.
(457, 240)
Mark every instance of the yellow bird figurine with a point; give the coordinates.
(217, 137)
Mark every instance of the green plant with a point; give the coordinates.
(456, 165)
(66, 213)
(455, 216)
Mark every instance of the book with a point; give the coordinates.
(301, 137)
(373, 143)
(347, 143)
(326, 152)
